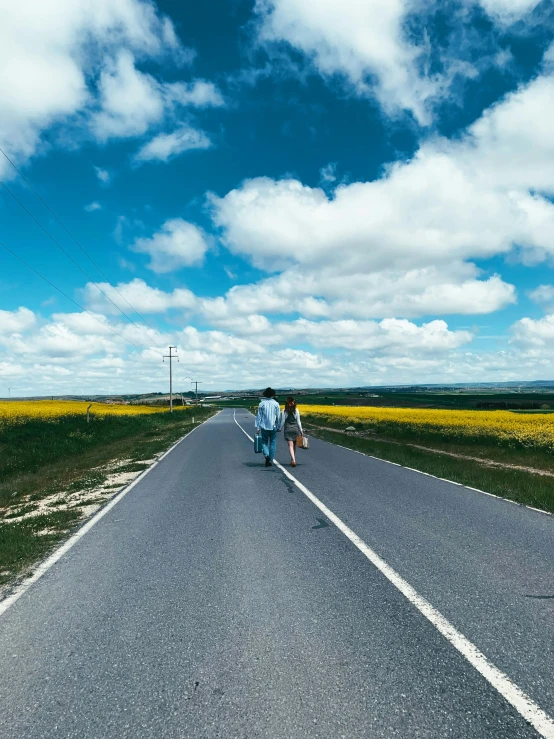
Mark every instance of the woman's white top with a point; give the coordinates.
(285, 415)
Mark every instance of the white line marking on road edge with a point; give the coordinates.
(444, 479)
(66, 546)
(522, 703)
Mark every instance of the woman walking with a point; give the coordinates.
(290, 421)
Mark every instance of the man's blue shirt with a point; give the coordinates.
(269, 414)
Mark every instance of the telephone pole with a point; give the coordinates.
(196, 383)
(171, 357)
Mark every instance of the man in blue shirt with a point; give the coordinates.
(267, 422)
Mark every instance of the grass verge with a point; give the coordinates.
(496, 450)
(522, 487)
(54, 474)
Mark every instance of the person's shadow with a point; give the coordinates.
(261, 465)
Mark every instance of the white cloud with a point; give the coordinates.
(390, 336)
(403, 245)
(74, 63)
(367, 43)
(508, 10)
(528, 332)
(391, 247)
(168, 145)
(103, 175)
(355, 39)
(73, 352)
(328, 173)
(81, 323)
(11, 371)
(199, 94)
(431, 210)
(138, 294)
(544, 294)
(17, 321)
(57, 341)
(178, 244)
(324, 293)
(131, 101)
(91, 207)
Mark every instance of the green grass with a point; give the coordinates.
(484, 448)
(20, 544)
(40, 458)
(522, 487)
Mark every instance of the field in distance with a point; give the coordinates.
(540, 400)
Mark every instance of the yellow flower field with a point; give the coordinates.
(525, 429)
(17, 411)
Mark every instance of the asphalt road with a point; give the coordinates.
(215, 600)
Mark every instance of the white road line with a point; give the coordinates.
(444, 479)
(66, 546)
(524, 705)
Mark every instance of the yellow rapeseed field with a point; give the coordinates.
(17, 411)
(525, 429)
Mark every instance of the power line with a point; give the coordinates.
(91, 260)
(39, 224)
(106, 325)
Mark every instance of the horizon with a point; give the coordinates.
(305, 389)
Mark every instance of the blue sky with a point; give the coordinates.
(293, 193)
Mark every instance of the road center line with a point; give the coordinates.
(522, 703)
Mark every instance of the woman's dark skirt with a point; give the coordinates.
(291, 431)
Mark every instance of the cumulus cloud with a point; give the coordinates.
(130, 100)
(405, 244)
(539, 333)
(355, 39)
(165, 146)
(76, 64)
(326, 293)
(15, 322)
(73, 351)
(178, 244)
(372, 47)
(391, 247)
(390, 336)
(137, 293)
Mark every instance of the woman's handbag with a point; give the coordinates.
(258, 444)
(302, 442)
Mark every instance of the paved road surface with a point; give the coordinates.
(211, 602)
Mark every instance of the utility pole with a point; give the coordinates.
(171, 357)
(196, 383)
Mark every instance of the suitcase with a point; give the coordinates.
(302, 442)
(258, 445)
